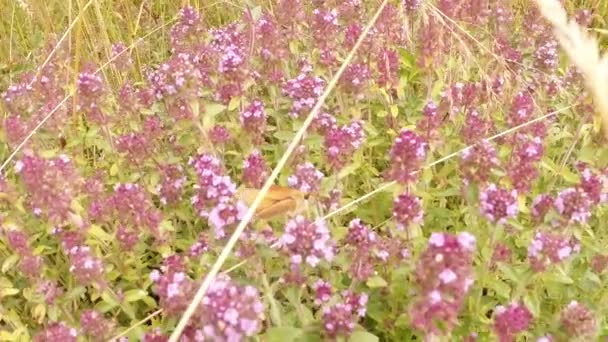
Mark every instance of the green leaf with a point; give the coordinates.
(114, 169)
(559, 276)
(109, 299)
(213, 109)
(363, 336)
(9, 262)
(76, 292)
(234, 103)
(135, 295)
(98, 233)
(348, 170)
(394, 111)
(570, 176)
(376, 282)
(280, 334)
(8, 291)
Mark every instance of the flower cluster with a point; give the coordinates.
(229, 312)
(172, 183)
(304, 90)
(339, 319)
(91, 89)
(121, 57)
(387, 61)
(131, 206)
(574, 205)
(307, 241)
(407, 210)
(547, 249)
(444, 275)
(186, 31)
(522, 170)
(355, 78)
(306, 178)
(226, 214)
(368, 250)
(497, 204)
(477, 162)
(431, 121)
(30, 264)
(406, 156)
(177, 78)
(51, 185)
(323, 292)
(511, 320)
(94, 325)
(212, 186)
(578, 321)
(341, 142)
(522, 109)
(84, 265)
(255, 170)
(57, 332)
(253, 119)
(219, 135)
(475, 127)
(172, 285)
(136, 146)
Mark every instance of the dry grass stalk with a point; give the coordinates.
(583, 50)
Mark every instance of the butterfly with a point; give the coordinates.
(279, 201)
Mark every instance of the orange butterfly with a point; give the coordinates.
(279, 201)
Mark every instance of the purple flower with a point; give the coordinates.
(56, 332)
(255, 170)
(574, 205)
(304, 90)
(341, 142)
(511, 320)
(547, 249)
(95, 325)
(323, 291)
(406, 156)
(229, 312)
(226, 214)
(407, 210)
(498, 204)
(444, 276)
(306, 178)
(578, 321)
(307, 241)
(478, 161)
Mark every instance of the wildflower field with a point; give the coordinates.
(439, 169)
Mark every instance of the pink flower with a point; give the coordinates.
(498, 204)
(95, 325)
(230, 312)
(444, 276)
(307, 241)
(255, 170)
(306, 178)
(56, 332)
(477, 162)
(574, 205)
(226, 214)
(406, 156)
(304, 90)
(407, 210)
(323, 291)
(511, 320)
(547, 249)
(578, 321)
